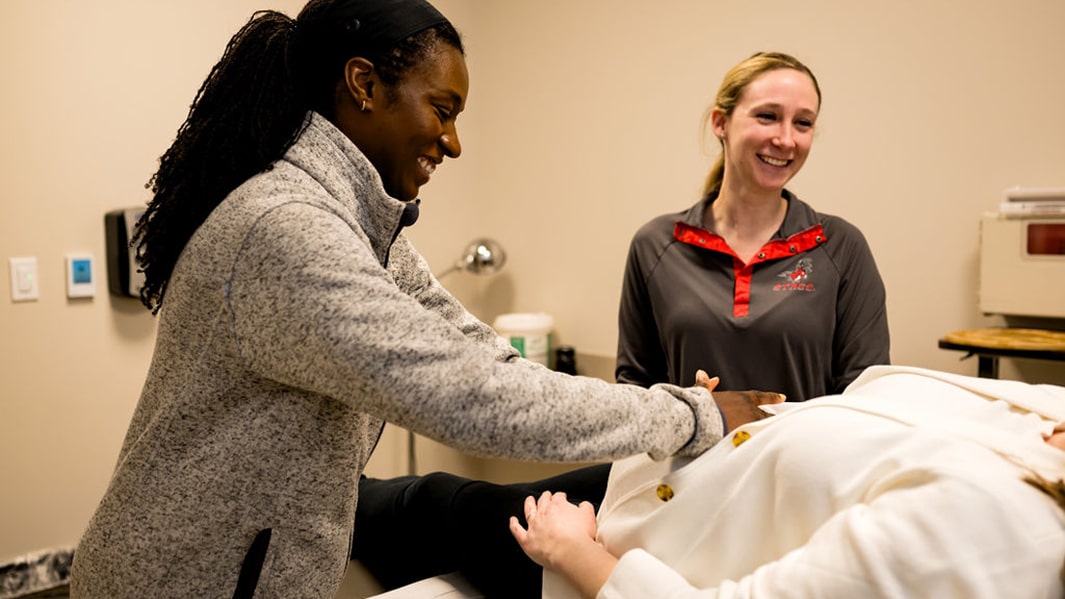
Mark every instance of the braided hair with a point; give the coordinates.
(250, 109)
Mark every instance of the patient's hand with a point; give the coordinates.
(555, 526)
(738, 407)
(1057, 437)
(561, 537)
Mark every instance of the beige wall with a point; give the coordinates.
(583, 122)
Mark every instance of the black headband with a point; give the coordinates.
(382, 24)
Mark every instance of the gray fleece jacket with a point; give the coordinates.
(297, 321)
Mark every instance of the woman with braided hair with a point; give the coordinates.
(295, 319)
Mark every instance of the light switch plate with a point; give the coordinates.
(24, 286)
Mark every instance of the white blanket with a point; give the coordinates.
(908, 485)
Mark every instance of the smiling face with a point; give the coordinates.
(769, 133)
(410, 127)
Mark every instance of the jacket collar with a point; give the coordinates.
(326, 154)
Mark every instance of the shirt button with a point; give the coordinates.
(740, 438)
(793, 249)
(819, 239)
(665, 492)
(761, 255)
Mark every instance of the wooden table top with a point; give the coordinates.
(1009, 339)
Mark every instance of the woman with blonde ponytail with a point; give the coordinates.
(751, 283)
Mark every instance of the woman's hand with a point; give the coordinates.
(738, 407)
(561, 537)
(556, 527)
(1057, 436)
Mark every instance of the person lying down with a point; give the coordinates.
(912, 483)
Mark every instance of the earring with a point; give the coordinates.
(363, 105)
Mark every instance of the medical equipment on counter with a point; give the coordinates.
(1022, 255)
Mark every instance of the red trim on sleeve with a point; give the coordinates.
(772, 250)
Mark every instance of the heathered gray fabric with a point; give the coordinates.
(284, 344)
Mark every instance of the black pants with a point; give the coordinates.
(414, 527)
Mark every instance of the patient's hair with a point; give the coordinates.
(732, 88)
(1056, 491)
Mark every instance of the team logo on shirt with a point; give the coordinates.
(796, 279)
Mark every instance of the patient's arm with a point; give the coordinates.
(561, 537)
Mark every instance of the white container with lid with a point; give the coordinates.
(529, 333)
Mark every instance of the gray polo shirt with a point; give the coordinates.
(804, 317)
